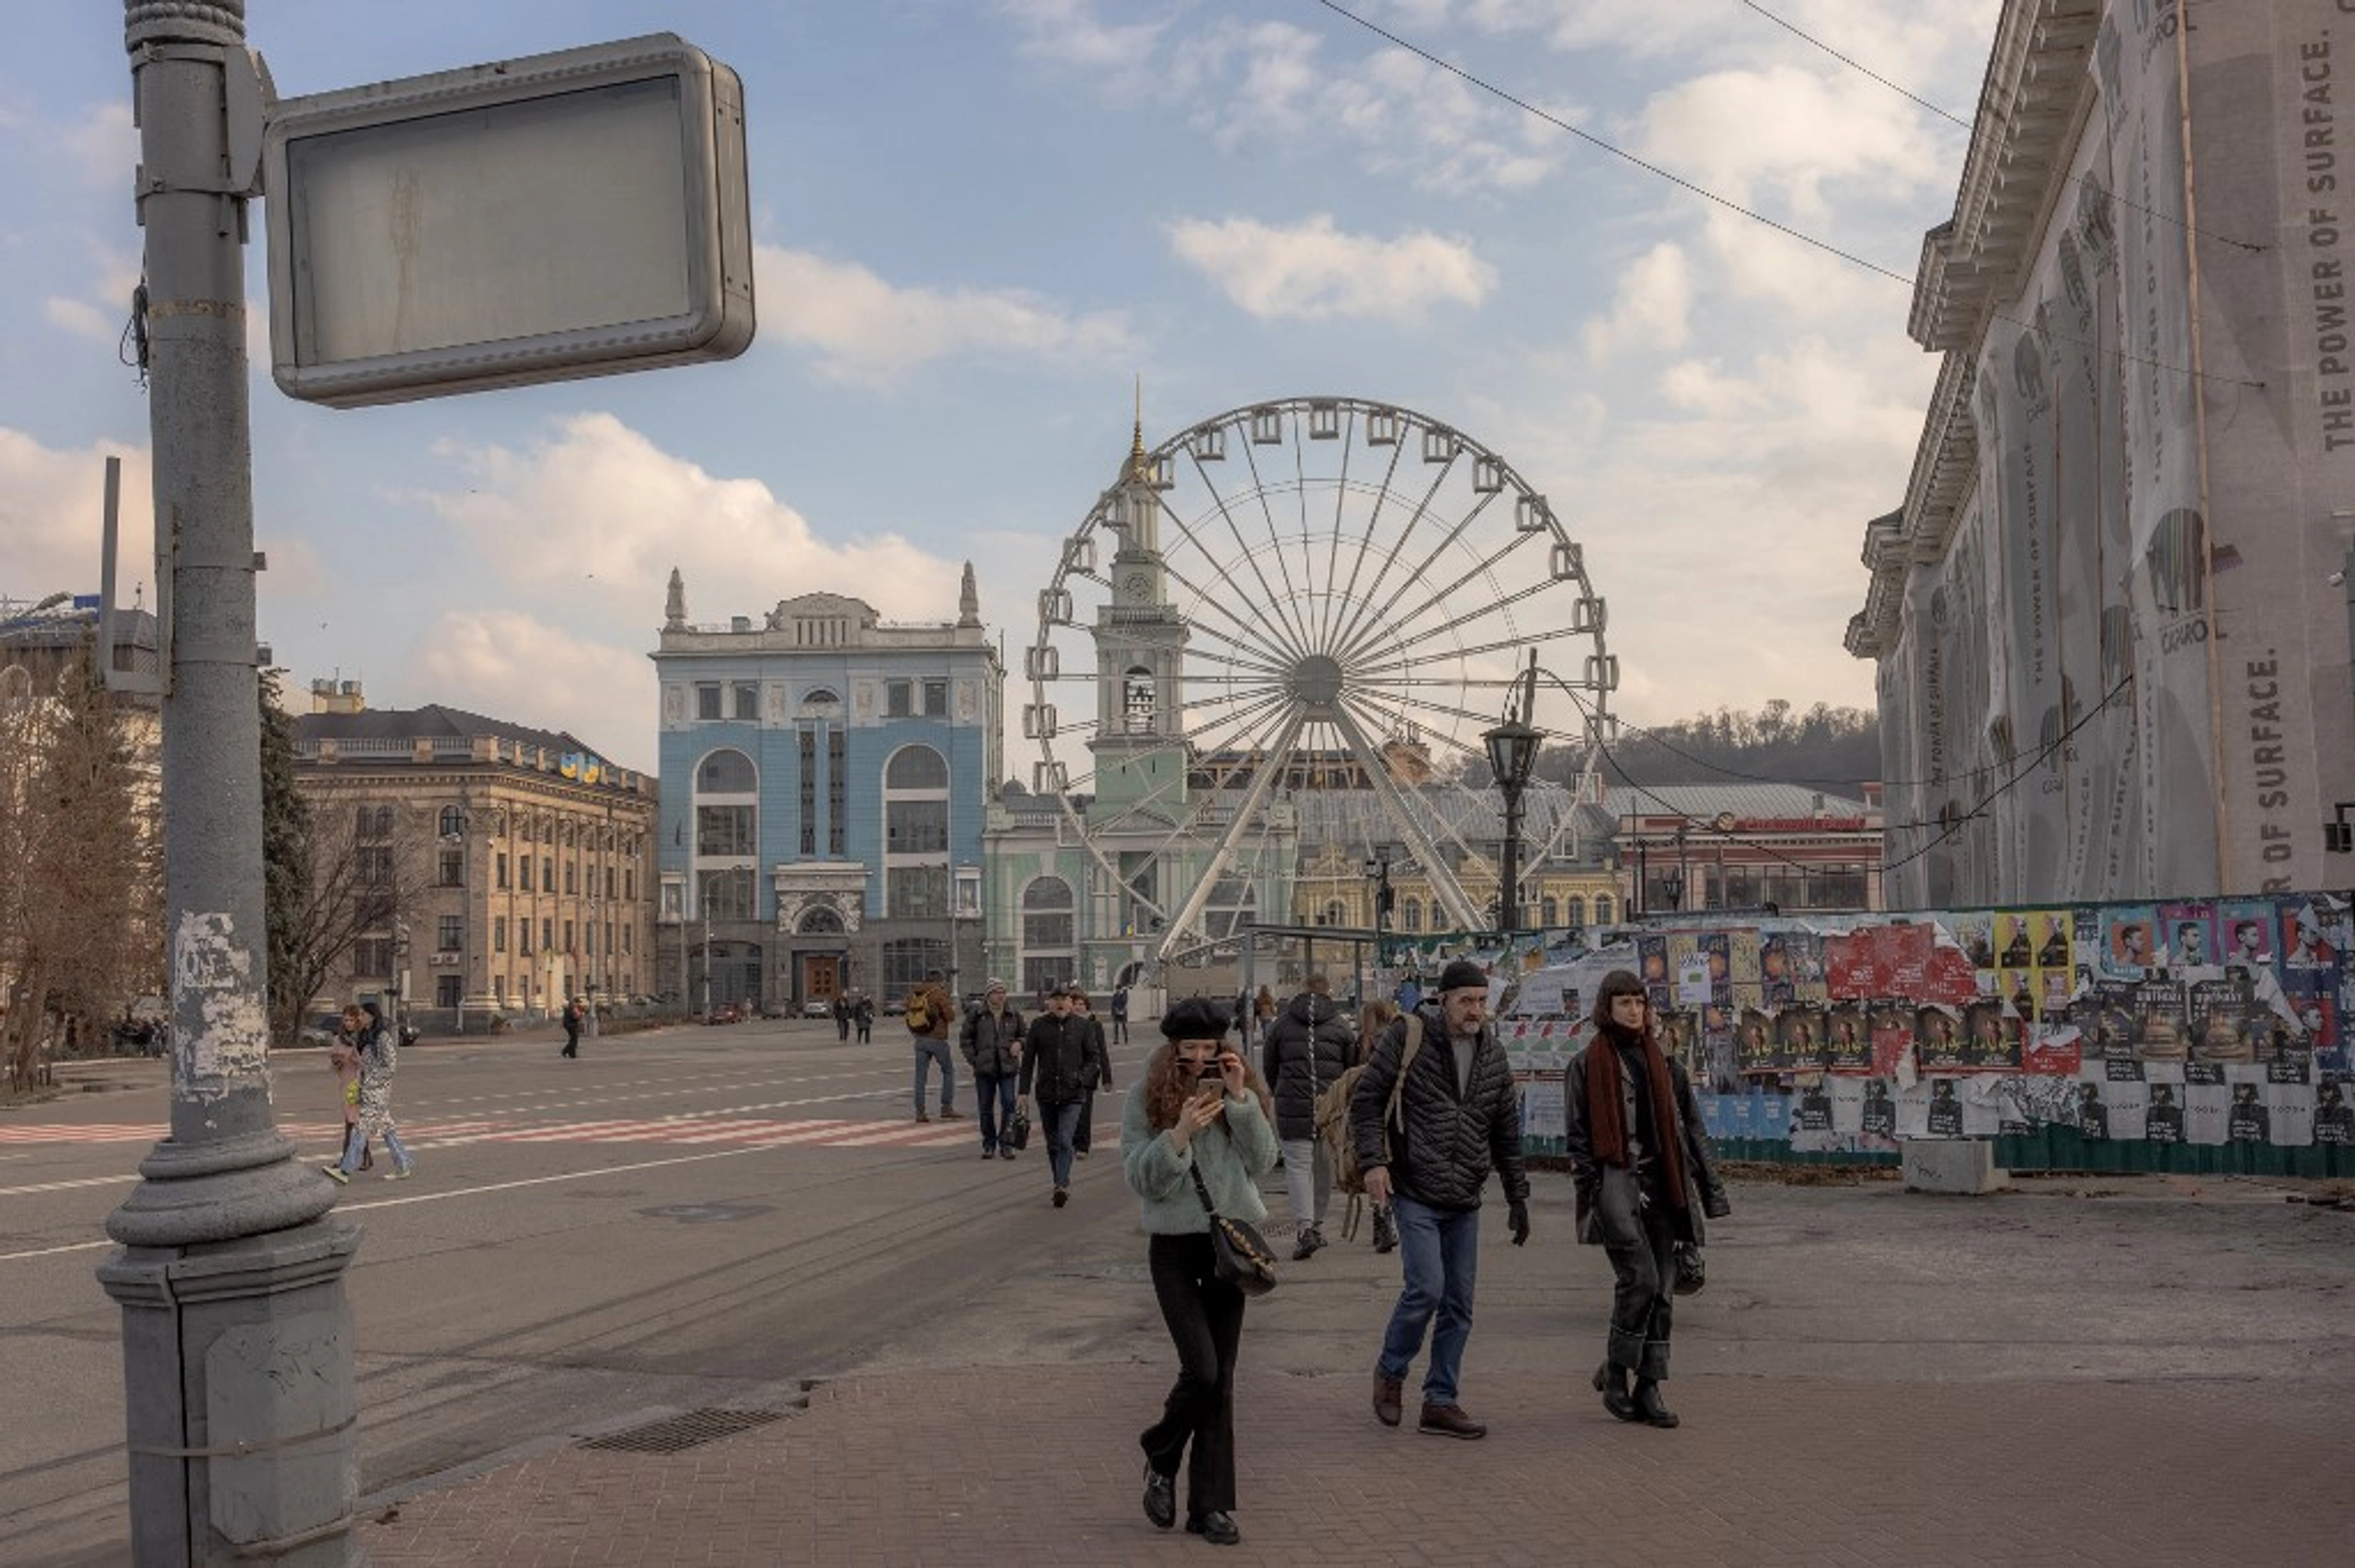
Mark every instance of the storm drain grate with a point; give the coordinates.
(677, 1433)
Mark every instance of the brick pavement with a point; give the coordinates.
(1039, 1465)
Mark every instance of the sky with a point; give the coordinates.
(980, 226)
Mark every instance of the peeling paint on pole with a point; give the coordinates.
(232, 1046)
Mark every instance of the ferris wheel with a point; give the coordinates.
(1284, 632)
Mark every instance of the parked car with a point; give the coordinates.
(818, 1007)
(895, 1007)
(725, 1012)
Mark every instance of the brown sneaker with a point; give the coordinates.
(922, 1116)
(1449, 1420)
(1388, 1393)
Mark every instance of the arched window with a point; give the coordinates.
(726, 772)
(917, 767)
(1549, 910)
(1410, 914)
(1136, 700)
(820, 921)
(1603, 909)
(1335, 914)
(1578, 911)
(1050, 934)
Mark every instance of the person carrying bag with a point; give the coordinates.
(1197, 1134)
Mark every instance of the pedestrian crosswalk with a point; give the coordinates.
(712, 1131)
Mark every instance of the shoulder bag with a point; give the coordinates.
(1239, 1252)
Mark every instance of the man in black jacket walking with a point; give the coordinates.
(993, 1047)
(1062, 1060)
(1459, 1116)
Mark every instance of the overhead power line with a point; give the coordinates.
(1732, 206)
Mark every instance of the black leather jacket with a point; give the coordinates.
(1308, 1046)
(1063, 1059)
(1607, 1194)
(1453, 1138)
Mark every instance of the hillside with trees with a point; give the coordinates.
(1829, 748)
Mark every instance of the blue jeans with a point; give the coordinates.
(995, 1092)
(927, 1049)
(1061, 1123)
(1441, 1249)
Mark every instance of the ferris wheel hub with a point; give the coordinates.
(1318, 682)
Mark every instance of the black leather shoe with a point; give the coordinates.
(1612, 1382)
(1217, 1527)
(1160, 1499)
(1648, 1408)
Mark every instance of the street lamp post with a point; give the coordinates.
(1512, 753)
(1377, 871)
(236, 1333)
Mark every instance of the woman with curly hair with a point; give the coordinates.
(1197, 1115)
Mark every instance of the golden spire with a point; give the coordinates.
(1140, 466)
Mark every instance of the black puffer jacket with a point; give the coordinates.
(992, 1041)
(1309, 1046)
(1451, 1138)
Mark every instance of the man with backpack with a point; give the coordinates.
(930, 1013)
(1457, 1116)
(1308, 1046)
(1333, 1129)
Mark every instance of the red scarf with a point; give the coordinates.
(1606, 1108)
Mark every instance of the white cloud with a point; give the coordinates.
(505, 664)
(103, 145)
(51, 508)
(1789, 132)
(865, 330)
(1314, 270)
(598, 515)
(1651, 310)
(1067, 32)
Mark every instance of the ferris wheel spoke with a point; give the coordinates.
(1279, 611)
(1235, 654)
(1409, 823)
(1190, 913)
(1412, 634)
(1362, 601)
(1290, 601)
(1256, 634)
(1422, 571)
(1403, 657)
(1339, 617)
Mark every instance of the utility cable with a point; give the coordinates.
(1915, 98)
(1732, 206)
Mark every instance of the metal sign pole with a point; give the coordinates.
(237, 1335)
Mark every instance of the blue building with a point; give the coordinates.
(825, 776)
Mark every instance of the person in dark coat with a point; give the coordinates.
(1310, 1044)
(1061, 1064)
(572, 1027)
(1641, 1161)
(992, 1042)
(1084, 1011)
(1461, 1116)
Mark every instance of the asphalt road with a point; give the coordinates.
(680, 1218)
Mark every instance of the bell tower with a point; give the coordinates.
(1140, 742)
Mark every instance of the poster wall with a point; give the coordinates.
(2206, 1022)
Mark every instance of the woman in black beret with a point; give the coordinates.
(1197, 1128)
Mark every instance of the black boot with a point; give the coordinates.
(1612, 1383)
(1648, 1407)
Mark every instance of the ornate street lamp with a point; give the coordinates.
(1513, 754)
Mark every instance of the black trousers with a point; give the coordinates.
(1205, 1318)
(1643, 1301)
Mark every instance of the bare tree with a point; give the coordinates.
(371, 856)
(80, 935)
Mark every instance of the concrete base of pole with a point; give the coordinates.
(241, 1436)
(1952, 1165)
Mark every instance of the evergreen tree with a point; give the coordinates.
(286, 864)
